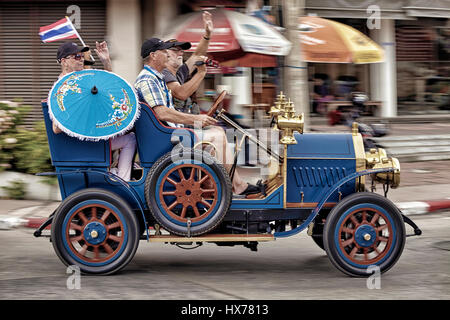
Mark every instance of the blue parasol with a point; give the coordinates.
(93, 105)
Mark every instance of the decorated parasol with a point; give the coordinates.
(93, 105)
(324, 40)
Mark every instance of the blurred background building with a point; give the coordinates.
(414, 33)
(415, 36)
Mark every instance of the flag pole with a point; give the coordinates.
(78, 35)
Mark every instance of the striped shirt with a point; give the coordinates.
(151, 88)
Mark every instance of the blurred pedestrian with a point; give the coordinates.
(71, 58)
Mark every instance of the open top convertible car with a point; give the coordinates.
(183, 196)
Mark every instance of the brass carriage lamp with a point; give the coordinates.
(289, 122)
(377, 158)
(279, 105)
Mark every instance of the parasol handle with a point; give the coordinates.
(94, 90)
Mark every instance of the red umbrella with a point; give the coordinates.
(235, 35)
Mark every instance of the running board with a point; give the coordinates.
(213, 238)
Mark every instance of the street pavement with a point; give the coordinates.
(292, 268)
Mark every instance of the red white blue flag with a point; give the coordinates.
(60, 30)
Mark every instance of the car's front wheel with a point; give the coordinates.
(363, 231)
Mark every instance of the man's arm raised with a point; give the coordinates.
(203, 45)
(103, 53)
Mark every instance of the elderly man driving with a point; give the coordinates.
(152, 89)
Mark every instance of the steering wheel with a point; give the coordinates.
(211, 112)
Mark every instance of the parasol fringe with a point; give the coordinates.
(87, 138)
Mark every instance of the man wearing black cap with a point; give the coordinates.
(177, 73)
(152, 90)
(71, 58)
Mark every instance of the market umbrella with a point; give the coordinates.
(93, 105)
(235, 35)
(324, 40)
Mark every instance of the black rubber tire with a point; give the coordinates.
(129, 220)
(317, 231)
(151, 192)
(317, 236)
(336, 255)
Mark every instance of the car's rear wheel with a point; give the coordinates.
(95, 230)
(188, 192)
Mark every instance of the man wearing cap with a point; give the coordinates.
(152, 89)
(177, 73)
(71, 58)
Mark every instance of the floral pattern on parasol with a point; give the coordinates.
(93, 105)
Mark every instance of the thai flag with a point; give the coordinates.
(60, 30)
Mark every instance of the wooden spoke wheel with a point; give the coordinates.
(365, 235)
(363, 230)
(95, 233)
(188, 194)
(95, 230)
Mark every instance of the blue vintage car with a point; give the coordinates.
(183, 196)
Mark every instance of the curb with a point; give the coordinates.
(407, 208)
(423, 207)
(35, 223)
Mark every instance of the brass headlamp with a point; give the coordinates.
(378, 159)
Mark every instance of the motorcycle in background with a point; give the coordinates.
(347, 115)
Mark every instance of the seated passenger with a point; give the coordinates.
(152, 89)
(183, 78)
(71, 58)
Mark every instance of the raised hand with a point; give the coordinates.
(207, 22)
(102, 50)
(103, 53)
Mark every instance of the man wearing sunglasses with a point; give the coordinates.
(177, 72)
(71, 58)
(152, 89)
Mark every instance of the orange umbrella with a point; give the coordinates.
(324, 40)
(254, 60)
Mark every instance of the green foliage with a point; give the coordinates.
(11, 116)
(15, 190)
(21, 149)
(31, 153)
